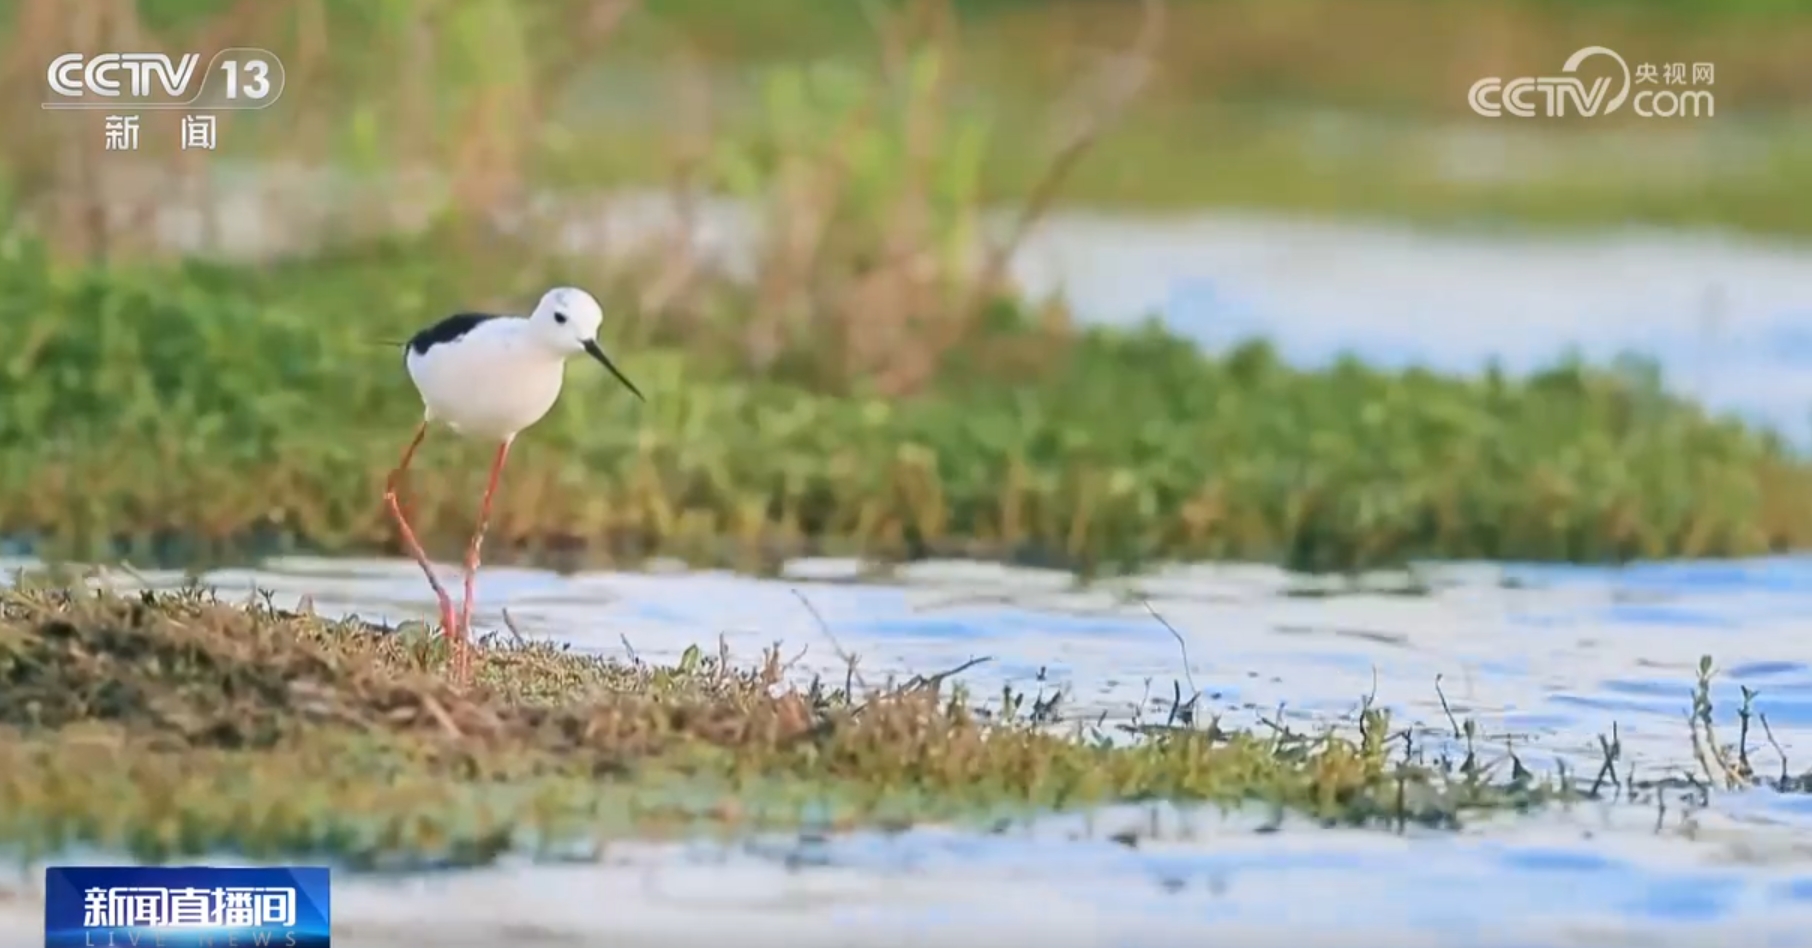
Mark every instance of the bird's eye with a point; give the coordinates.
(560, 317)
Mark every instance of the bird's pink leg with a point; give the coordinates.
(415, 548)
(484, 519)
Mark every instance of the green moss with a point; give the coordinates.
(174, 725)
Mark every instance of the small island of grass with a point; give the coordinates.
(173, 725)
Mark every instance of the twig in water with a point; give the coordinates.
(509, 622)
(1712, 757)
(1699, 754)
(1281, 732)
(133, 572)
(1181, 644)
(936, 681)
(848, 660)
(1180, 710)
(1518, 773)
(1744, 714)
(1447, 710)
(1610, 752)
(1768, 732)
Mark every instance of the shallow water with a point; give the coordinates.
(1548, 656)
(1727, 317)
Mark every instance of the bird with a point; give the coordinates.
(489, 376)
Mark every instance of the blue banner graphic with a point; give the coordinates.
(186, 907)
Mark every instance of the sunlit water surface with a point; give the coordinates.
(1548, 657)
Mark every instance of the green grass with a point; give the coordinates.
(166, 413)
(173, 725)
(869, 392)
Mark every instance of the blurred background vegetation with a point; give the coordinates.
(1317, 105)
(800, 214)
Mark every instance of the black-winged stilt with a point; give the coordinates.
(490, 376)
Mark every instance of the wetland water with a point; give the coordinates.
(1549, 656)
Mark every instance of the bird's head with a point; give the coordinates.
(567, 320)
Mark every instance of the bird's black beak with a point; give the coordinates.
(595, 351)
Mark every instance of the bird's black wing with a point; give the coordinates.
(447, 330)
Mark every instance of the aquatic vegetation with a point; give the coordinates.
(173, 724)
(186, 412)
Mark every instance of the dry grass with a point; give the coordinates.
(174, 724)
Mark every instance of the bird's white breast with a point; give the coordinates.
(491, 383)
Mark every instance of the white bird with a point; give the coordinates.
(490, 376)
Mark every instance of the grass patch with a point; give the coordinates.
(874, 388)
(192, 413)
(173, 725)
